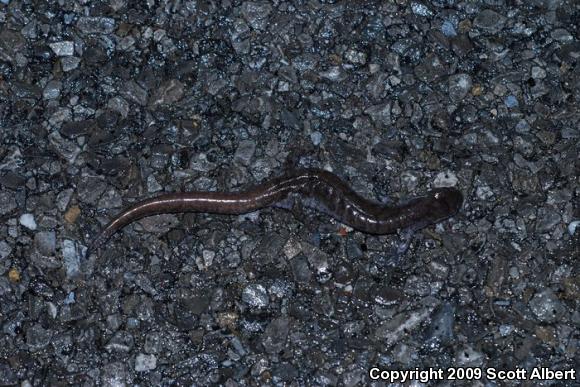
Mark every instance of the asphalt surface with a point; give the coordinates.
(106, 103)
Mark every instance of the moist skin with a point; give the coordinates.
(313, 188)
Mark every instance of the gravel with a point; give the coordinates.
(108, 103)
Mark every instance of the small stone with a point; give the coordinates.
(546, 306)
(114, 374)
(430, 68)
(562, 35)
(169, 92)
(484, 192)
(538, 72)
(37, 337)
(96, 25)
(505, 329)
(121, 341)
(421, 9)
(205, 260)
(69, 150)
(69, 63)
(256, 296)
(573, 226)
(71, 258)
(153, 185)
(441, 327)
(12, 180)
(65, 48)
(522, 126)
(70, 298)
(274, 337)
(245, 152)
(256, 13)
(476, 90)
(548, 218)
(511, 101)
(133, 92)
(356, 57)
(489, 21)
(45, 242)
(546, 334)
(119, 105)
(316, 138)
(75, 129)
(334, 73)
(5, 249)
(159, 223)
(72, 214)
(448, 29)
(7, 202)
(145, 362)
(468, 356)
(8, 375)
(445, 179)
(14, 275)
(27, 220)
(459, 86)
(12, 43)
(63, 199)
(380, 114)
(300, 269)
(52, 90)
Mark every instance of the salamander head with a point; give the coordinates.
(446, 201)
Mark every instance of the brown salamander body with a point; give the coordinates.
(314, 188)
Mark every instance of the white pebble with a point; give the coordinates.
(27, 220)
(445, 179)
(573, 226)
(316, 138)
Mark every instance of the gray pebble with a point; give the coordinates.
(64, 48)
(256, 296)
(69, 150)
(256, 13)
(420, 9)
(546, 306)
(274, 337)
(245, 152)
(63, 199)
(548, 218)
(37, 337)
(5, 249)
(144, 362)
(459, 86)
(45, 242)
(71, 258)
(70, 63)
(52, 90)
(316, 138)
(489, 21)
(96, 25)
(7, 202)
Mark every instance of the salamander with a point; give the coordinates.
(314, 188)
